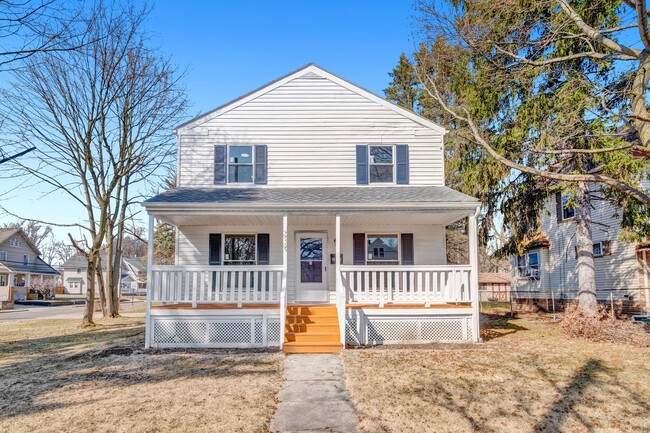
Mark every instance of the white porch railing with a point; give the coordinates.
(216, 284)
(378, 284)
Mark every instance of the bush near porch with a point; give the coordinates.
(57, 377)
(527, 377)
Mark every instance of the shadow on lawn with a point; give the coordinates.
(496, 325)
(107, 356)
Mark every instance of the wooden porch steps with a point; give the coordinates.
(311, 329)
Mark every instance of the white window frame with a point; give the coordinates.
(526, 271)
(3, 281)
(3, 256)
(399, 247)
(392, 164)
(25, 259)
(600, 245)
(223, 248)
(17, 243)
(252, 164)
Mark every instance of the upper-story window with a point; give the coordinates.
(25, 259)
(381, 165)
(16, 242)
(3, 256)
(240, 164)
(564, 207)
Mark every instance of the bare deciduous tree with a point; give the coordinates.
(100, 117)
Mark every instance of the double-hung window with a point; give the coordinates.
(25, 259)
(528, 265)
(3, 256)
(240, 164)
(381, 164)
(15, 242)
(239, 250)
(383, 248)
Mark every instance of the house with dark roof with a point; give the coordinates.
(21, 266)
(133, 273)
(311, 215)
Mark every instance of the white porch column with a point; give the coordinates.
(28, 280)
(11, 281)
(646, 283)
(340, 290)
(285, 269)
(473, 261)
(148, 324)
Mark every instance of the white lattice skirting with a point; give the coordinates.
(258, 329)
(394, 327)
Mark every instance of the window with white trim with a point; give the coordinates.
(16, 242)
(381, 164)
(240, 164)
(25, 259)
(598, 249)
(528, 265)
(3, 280)
(239, 250)
(383, 248)
(3, 256)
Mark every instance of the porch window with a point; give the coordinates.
(240, 164)
(3, 280)
(381, 164)
(239, 250)
(528, 265)
(3, 256)
(383, 248)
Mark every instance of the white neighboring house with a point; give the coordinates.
(548, 268)
(132, 275)
(311, 213)
(21, 265)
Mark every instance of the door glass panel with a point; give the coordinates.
(311, 260)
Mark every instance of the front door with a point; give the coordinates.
(312, 268)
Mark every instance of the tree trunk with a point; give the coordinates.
(90, 290)
(640, 113)
(586, 273)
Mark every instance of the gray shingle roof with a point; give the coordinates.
(339, 195)
(36, 267)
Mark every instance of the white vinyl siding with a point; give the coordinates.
(428, 244)
(311, 126)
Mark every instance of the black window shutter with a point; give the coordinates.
(261, 164)
(362, 164)
(402, 163)
(263, 249)
(575, 250)
(558, 206)
(215, 249)
(407, 249)
(220, 157)
(359, 242)
(607, 248)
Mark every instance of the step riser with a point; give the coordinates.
(312, 320)
(311, 349)
(310, 311)
(311, 338)
(318, 327)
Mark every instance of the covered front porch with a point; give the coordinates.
(240, 276)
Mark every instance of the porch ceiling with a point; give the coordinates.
(368, 218)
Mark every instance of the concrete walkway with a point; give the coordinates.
(313, 398)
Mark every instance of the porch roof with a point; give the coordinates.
(37, 267)
(364, 197)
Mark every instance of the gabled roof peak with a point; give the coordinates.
(312, 68)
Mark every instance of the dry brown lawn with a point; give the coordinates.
(55, 377)
(527, 377)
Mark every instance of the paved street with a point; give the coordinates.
(30, 312)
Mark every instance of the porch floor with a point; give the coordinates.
(216, 307)
(405, 306)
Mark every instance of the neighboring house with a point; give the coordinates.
(494, 286)
(311, 213)
(21, 266)
(548, 267)
(132, 275)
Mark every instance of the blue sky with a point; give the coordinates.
(229, 48)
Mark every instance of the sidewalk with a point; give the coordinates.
(313, 397)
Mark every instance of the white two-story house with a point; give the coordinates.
(311, 213)
(547, 270)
